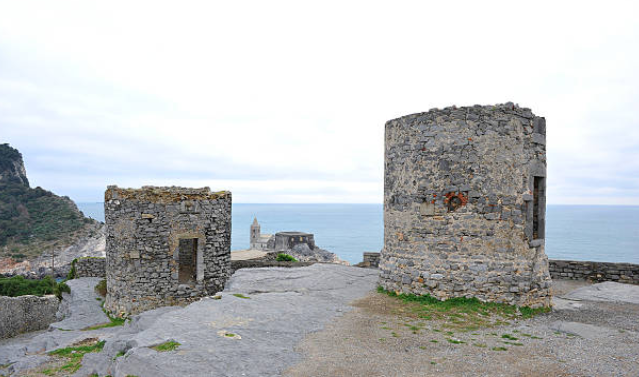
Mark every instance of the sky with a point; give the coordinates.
(285, 101)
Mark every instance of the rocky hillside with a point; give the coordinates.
(36, 226)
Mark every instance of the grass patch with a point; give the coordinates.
(281, 257)
(434, 341)
(514, 343)
(240, 295)
(229, 334)
(509, 337)
(167, 346)
(480, 345)
(455, 341)
(499, 349)
(461, 313)
(73, 357)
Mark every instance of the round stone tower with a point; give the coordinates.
(464, 205)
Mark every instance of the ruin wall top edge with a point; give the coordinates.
(506, 108)
(163, 194)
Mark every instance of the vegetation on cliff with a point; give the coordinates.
(31, 217)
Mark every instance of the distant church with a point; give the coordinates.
(259, 241)
(281, 241)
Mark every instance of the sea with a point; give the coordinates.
(573, 232)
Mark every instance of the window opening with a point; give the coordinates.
(538, 192)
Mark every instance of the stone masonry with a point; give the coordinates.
(26, 313)
(165, 246)
(595, 271)
(464, 205)
(90, 267)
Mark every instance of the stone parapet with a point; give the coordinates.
(26, 313)
(88, 267)
(595, 271)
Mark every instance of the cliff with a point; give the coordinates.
(36, 226)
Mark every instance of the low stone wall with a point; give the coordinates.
(595, 271)
(257, 263)
(26, 313)
(90, 267)
(371, 259)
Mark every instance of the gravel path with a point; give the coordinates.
(595, 339)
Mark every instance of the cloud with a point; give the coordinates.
(284, 101)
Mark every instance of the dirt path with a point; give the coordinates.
(378, 339)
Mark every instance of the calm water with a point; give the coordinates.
(596, 233)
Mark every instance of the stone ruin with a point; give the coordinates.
(464, 205)
(165, 246)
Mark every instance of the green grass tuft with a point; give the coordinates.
(240, 295)
(167, 346)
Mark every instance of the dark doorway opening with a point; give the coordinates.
(187, 260)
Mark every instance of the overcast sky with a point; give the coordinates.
(286, 101)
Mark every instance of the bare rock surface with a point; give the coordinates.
(607, 291)
(250, 330)
(81, 308)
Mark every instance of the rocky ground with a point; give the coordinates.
(326, 320)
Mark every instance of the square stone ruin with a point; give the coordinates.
(464, 205)
(165, 246)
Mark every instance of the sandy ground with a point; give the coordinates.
(590, 339)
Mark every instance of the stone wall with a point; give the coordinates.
(165, 246)
(90, 267)
(371, 259)
(26, 313)
(595, 271)
(259, 263)
(464, 205)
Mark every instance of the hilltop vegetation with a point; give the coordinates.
(32, 219)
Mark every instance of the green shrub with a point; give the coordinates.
(19, 286)
(72, 271)
(281, 257)
(101, 288)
